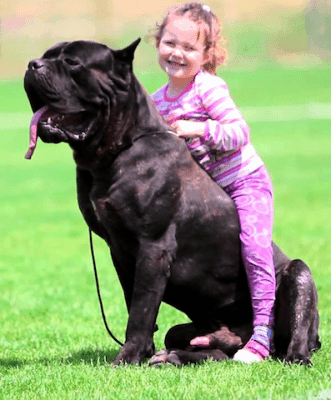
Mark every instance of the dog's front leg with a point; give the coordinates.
(151, 276)
(84, 182)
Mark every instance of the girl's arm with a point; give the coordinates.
(226, 130)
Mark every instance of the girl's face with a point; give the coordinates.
(182, 50)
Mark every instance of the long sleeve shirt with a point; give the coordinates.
(224, 150)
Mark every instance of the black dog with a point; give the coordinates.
(172, 231)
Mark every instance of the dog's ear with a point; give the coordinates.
(127, 54)
(122, 69)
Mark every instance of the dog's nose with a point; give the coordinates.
(36, 64)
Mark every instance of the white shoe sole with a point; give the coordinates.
(246, 357)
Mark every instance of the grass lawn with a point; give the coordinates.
(52, 341)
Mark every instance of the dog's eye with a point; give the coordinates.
(71, 62)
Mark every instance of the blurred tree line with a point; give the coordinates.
(318, 27)
(263, 37)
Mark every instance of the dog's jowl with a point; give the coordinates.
(172, 231)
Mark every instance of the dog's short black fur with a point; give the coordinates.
(172, 231)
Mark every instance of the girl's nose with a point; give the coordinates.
(177, 52)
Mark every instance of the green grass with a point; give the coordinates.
(52, 341)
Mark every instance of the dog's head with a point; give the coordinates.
(74, 88)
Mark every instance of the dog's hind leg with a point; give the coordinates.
(179, 336)
(296, 312)
(184, 357)
(221, 345)
(314, 343)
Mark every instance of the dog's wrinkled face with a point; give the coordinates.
(72, 88)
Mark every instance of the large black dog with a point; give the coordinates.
(172, 231)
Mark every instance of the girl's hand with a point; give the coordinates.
(189, 129)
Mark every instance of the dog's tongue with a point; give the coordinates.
(33, 131)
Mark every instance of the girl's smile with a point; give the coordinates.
(182, 51)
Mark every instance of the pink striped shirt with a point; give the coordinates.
(225, 150)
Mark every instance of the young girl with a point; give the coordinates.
(197, 103)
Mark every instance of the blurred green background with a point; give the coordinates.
(260, 33)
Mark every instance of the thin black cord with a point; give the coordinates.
(98, 291)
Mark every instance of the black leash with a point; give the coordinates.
(99, 294)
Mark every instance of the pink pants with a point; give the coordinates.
(253, 197)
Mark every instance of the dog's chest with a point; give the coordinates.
(110, 208)
(105, 211)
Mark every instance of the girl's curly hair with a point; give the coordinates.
(210, 25)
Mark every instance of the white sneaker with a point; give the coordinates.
(246, 357)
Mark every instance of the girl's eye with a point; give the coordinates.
(189, 48)
(169, 43)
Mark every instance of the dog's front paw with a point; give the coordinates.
(131, 353)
